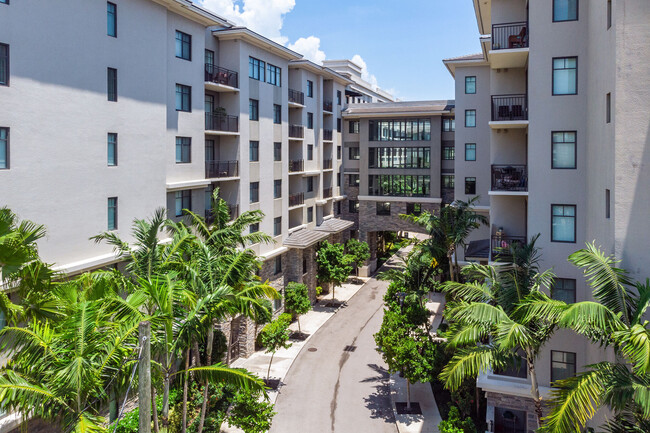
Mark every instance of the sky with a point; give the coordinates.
(399, 43)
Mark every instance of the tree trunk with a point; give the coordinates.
(408, 395)
(333, 289)
(298, 319)
(208, 361)
(187, 378)
(534, 389)
(268, 372)
(166, 379)
(451, 268)
(112, 405)
(154, 409)
(456, 267)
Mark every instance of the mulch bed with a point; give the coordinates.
(273, 384)
(402, 408)
(298, 336)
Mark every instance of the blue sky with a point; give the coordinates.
(402, 42)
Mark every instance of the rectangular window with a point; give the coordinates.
(277, 266)
(183, 150)
(274, 75)
(339, 124)
(470, 151)
(565, 10)
(413, 208)
(310, 214)
(563, 365)
(4, 148)
(112, 213)
(111, 84)
(254, 151)
(354, 127)
(338, 97)
(310, 184)
(183, 201)
(383, 209)
(111, 150)
(353, 180)
(564, 289)
(608, 108)
(256, 69)
(400, 130)
(254, 228)
(470, 185)
(277, 188)
(353, 153)
(4, 65)
(470, 85)
(399, 185)
(353, 206)
(399, 157)
(209, 58)
(563, 149)
(470, 118)
(310, 152)
(448, 153)
(608, 205)
(447, 181)
(254, 192)
(277, 114)
(183, 45)
(339, 152)
(111, 19)
(310, 120)
(277, 226)
(277, 151)
(310, 89)
(448, 125)
(563, 224)
(565, 76)
(183, 98)
(254, 109)
(609, 14)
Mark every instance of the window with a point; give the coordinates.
(274, 75)
(310, 214)
(277, 266)
(448, 153)
(183, 98)
(4, 65)
(277, 226)
(383, 209)
(254, 109)
(470, 118)
(277, 114)
(470, 85)
(183, 201)
(354, 127)
(608, 205)
(399, 157)
(310, 120)
(353, 153)
(339, 152)
(111, 84)
(565, 76)
(608, 108)
(209, 58)
(254, 228)
(564, 289)
(563, 365)
(111, 18)
(4, 148)
(310, 184)
(254, 151)
(353, 180)
(310, 89)
(447, 181)
(448, 125)
(338, 97)
(470, 185)
(563, 149)
(183, 150)
(256, 69)
(399, 185)
(277, 151)
(413, 208)
(565, 10)
(609, 14)
(183, 46)
(339, 122)
(338, 208)
(563, 224)
(277, 188)
(310, 152)
(254, 192)
(400, 130)
(353, 206)
(112, 213)
(470, 151)
(111, 150)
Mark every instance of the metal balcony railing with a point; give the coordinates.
(327, 192)
(219, 169)
(509, 178)
(221, 122)
(510, 36)
(501, 246)
(296, 165)
(296, 199)
(219, 75)
(296, 131)
(328, 106)
(509, 107)
(296, 96)
(327, 164)
(328, 134)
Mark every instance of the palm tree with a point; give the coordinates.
(17, 242)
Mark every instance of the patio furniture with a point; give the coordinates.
(517, 41)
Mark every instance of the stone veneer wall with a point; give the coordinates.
(513, 402)
(369, 221)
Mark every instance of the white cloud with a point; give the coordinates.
(367, 76)
(310, 48)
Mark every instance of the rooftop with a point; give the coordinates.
(400, 108)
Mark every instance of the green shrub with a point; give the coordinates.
(453, 423)
(319, 290)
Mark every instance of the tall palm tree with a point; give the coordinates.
(17, 242)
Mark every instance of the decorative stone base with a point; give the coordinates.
(499, 402)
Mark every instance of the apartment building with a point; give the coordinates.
(553, 119)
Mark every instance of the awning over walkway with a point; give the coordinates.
(334, 225)
(304, 238)
(478, 249)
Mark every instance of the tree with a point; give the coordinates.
(359, 253)
(296, 300)
(17, 242)
(275, 336)
(454, 423)
(333, 264)
(250, 413)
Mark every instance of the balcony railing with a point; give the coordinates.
(509, 178)
(221, 122)
(296, 199)
(327, 164)
(328, 134)
(219, 75)
(501, 245)
(510, 36)
(296, 165)
(328, 106)
(509, 107)
(327, 192)
(297, 97)
(296, 131)
(218, 169)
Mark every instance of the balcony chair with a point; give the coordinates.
(517, 112)
(504, 112)
(518, 41)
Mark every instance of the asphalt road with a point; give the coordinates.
(333, 389)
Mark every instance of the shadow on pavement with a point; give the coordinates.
(379, 402)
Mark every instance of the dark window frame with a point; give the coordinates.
(277, 188)
(310, 183)
(471, 110)
(310, 152)
(608, 203)
(310, 214)
(575, 150)
(274, 75)
(338, 97)
(277, 151)
(466, 82)
(566, 21)
(575, 363)
(575, 222)
(467, 148)
(310, 89)
(277, 226)
(339, 124)
(277, 269)
(413, 208)
(185, 93)
(256, 69)
(7, 148)
(448, 124)
(253, 151)
(383, 208)
(353, 180)
(109, 143)
(186, 201)
(353, 127)
(448, 153)
(354, 153)
(185, 144)
(115, 213)
(468, 185)
(277, 114)
(111, 84)
(108, 14)
(185, 46)
(254, 192)
(7, 63)
(310, 120)
(254, 110)
(553, 76)
(353, 206)
(451, 184)
(563, 289)
(608, 107)
(610, 14)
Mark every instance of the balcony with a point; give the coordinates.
(233, 211)
(296, 98)
(509, 45)
(296, 199)
(221, 169)
(296, 166)
(327, 192)
(296, 131)
(221, 79)
(500, 248)
(509, 111)
(511, 179)
(221, 124)
(328, 106)
(328, 135)
(327, 164)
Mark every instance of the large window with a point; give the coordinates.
(254, 192)
(353, 180)
(274, 75)
(310, 184)
(209, 57)
(448, 125)
(254, 109)
(353, 153)
(111, 19)
(353, 206)
(310, 89)
(310, 120)
(399, 157)
(400, 130)
(277, 268)
(277, 188)
(447, 181)
(256, 68)
(183, 201)
(183, 46)
(470, 118)
(448, 153)
(563, 365)
(310, 152)
(112, 213)
(277, 151)
(470, 151)
(277, 114)
(564, 289)
(383, 209)
(111, 150)
(564, 149)
(470, 185)
(339, 124)
(183, 98)
(353, 127)
(399, 185)
(563, 224)
(565, 76)
(183, 150)
(470, 85)
(4, 148)
(565, 10)
(277, 226)
(413, 208)
(111, 84)
(254, 151)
